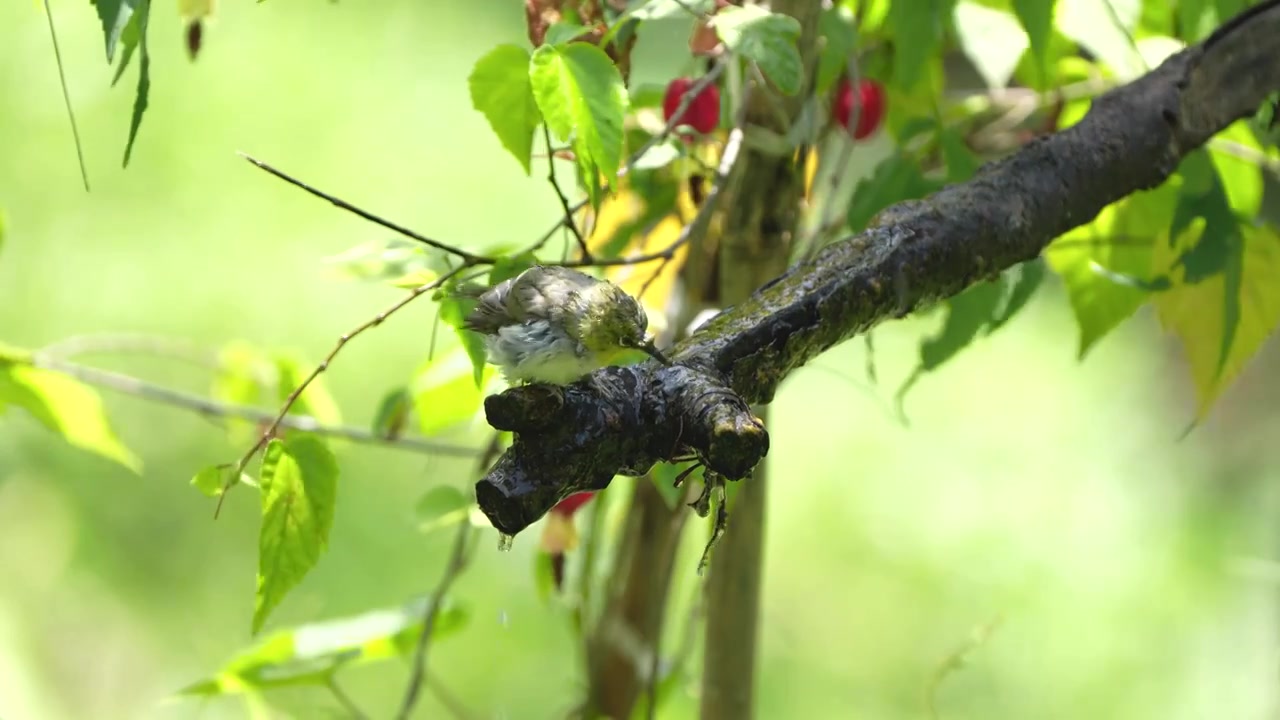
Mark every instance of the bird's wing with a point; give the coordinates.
(531, 295)
(490, 313)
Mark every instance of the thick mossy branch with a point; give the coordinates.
(622, 421)
(616, 421)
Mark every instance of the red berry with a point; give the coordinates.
(870, 101)
(570, 505)
(703, 113)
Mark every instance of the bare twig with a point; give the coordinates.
(377, 320)
(567, 220)
(129, 385)
(131, 344)
(696, 89)
(728, 159)
(469, 258)
(345, 700)
(451, 702)
(66, 96)
(459, 555)
(956, 659)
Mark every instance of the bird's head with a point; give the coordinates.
(611, 322)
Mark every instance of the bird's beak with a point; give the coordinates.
(649, 347)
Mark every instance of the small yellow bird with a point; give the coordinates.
(552, 324)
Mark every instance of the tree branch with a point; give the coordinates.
(616, 420)
(129, 385)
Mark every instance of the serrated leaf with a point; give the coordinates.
(65, 406)
(453, 312)
(1223, 320)
(662, 9)
(918, 28)
(209, 480)
(140, 99)
(768, 39)
(1030, 275)
(242, 374)
(299, 490)
(441, 506)
(837, 28)
(1223, 301)
(896, 179)
(501, 91)
(315, 401)
(966, 316)
(129, 40)
(993, 40)
(396, 261)
(310, 654)
(1036, 17)
(393, 411)
(583, 99)
(115, 16)
(1118, 241)
(444, 392)
(561, 33)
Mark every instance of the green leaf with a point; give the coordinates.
(662, 9)
(242, 374)
(767, 39)
(1036, 17)
(991, 39)
(442, 506)
(115, 16)
(583, 99)
(918, 29)
(501, 91)
(1223, 302)
(664, 477)
(1030, 276)
(838, 31)
(65, 406)
(967, 314)
(209, 480)
(962, 163)
(299, 490)
(129, 40)
(1224, 319)
(544, 576)
(659, 156)
(392, 413)
(1118, 241)
(144, 80)
(315, 401)
(453, 312)
(1092, 24)
(398, 262)
(559, 34)
(444, 393)
(310, 654)
(508, 267)
(896, 179)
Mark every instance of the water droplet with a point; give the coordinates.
(504, 542)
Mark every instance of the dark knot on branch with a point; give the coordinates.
(616, 421)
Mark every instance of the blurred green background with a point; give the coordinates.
(1132, 571)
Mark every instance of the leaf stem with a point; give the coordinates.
(66, 96)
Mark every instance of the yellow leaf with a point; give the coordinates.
(1223, 319)
(195, 9)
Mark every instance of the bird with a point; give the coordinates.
(554, 325)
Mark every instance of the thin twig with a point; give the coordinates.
(956, 659)
(345, 700)
(131, 344)
(129, 385)
(728, 159)
(377, 320)
(685, 102)
(469, 258)
(451, 702)
(567, 220)
(458, 558)
(66, 96)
